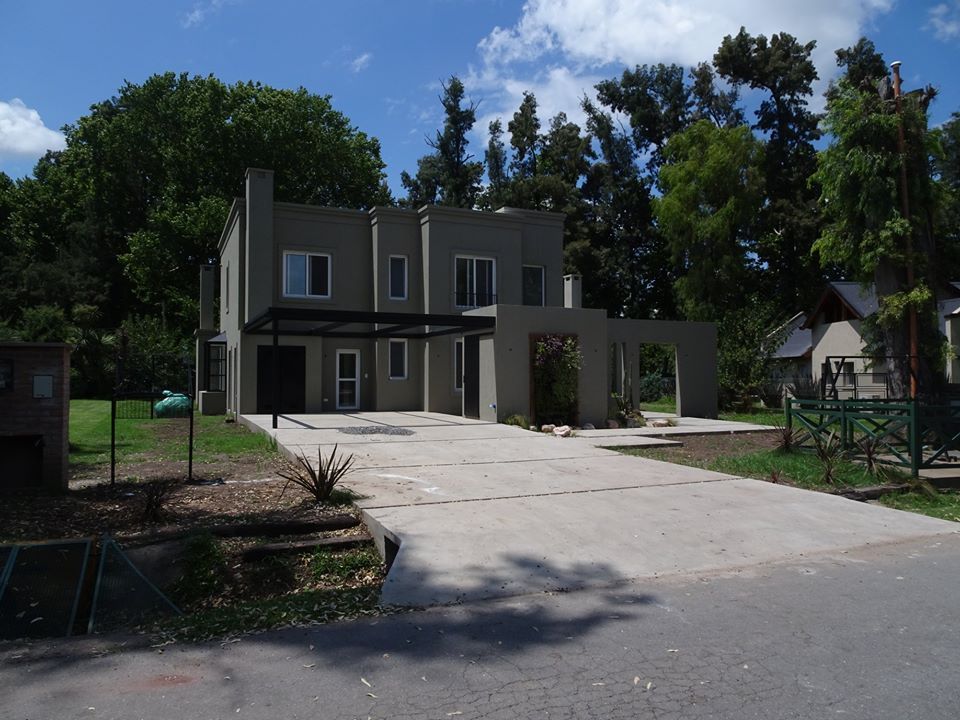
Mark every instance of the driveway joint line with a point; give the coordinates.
(552, 494)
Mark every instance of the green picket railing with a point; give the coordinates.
(909, 433)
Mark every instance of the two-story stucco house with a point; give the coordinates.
(326, 310)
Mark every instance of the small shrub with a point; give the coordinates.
(557, 361)
(318, 482)
(518, 420)
(650, 388)
(627, 415)
(870, 449)
(804, 388)
(788, 438)
(830, 453)
(771, 394)
(155, 495)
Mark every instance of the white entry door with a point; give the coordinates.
(348, 379)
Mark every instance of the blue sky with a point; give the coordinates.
(383, 61)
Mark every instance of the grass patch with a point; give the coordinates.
(666, 404)
(335, 566)
(157, 439)
(757, 416)
(945, 506)
(90, 433)
(795, 468)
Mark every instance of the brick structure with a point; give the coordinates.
(34, 415)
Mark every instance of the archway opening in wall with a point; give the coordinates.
(647, 375)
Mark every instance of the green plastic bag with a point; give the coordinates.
(173, 405)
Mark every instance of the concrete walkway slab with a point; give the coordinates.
(470, 452)
(647, 441)
(516, 546)
(431, 484)
(478, 510)
(684, 426)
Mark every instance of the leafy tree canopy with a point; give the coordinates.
(123, 216)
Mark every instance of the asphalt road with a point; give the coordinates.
(868, 634)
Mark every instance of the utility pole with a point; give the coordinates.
(905, 211)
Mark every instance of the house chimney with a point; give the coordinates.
(208, 275)
(571, 291)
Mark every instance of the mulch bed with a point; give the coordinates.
(95, 509)
(703, 449)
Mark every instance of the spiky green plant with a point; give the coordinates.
(829, 452)
(320, 481)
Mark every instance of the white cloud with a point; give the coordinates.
(202, 10)
(944, 20)
(597, 32)
(23, 133)
(361, 62)
(557, 89)
(579, 37)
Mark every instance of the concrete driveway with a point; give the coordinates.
(476, 510)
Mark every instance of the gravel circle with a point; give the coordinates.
(375, 430)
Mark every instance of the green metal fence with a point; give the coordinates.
(909, 433)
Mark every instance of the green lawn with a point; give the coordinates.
(945, 506)
(757, 416)
(797, 468)
(804, 470)
(156, 439)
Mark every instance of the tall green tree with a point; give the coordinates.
(866, 231)
(450, 169)
(496, 161)
(123, 216)
(525, 138)
(781, 67)
(659, 101)
(863, 67)
(947, 169)
(620, 254)
(712, 186)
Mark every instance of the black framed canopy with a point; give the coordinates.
(320, 322)
(325, 323)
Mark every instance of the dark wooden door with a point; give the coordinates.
(293, 376)
(471, 376)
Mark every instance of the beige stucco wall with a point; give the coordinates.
(835, 339)
(396, 232)
(232, 298)
(505, 363)
(696, 358)
(952, 331)
(448, 233)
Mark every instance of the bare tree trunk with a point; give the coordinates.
(889, 280)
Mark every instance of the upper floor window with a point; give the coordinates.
(306, 275)
(533, 285)
(398, 277)
(474, 282)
